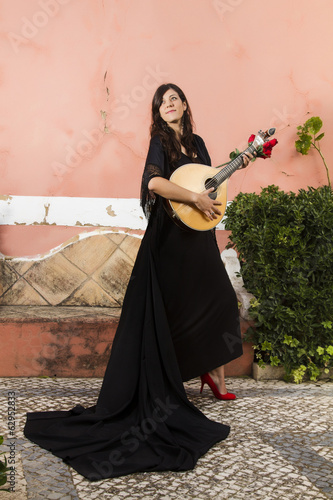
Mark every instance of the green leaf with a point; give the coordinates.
(314, 124)
(274, 360)
(266, 346)
(287, 339)
(234, 154)
(3, 479)
(1, 440)
(298, 374)
(319, 137)
(3, 467)
(301, 352)
(303, 145)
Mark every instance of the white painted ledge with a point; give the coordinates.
(73, 211)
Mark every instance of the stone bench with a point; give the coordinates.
(59, 311)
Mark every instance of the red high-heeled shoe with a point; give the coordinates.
(207, 379)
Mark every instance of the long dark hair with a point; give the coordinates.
(167, 134)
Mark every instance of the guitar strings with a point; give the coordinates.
(229, 169)
(211, 183)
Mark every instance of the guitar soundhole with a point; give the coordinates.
(209, 184)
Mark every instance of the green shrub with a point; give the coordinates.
(285, 245)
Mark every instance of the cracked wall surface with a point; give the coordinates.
(93, 271)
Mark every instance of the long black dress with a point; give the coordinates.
(179, 320)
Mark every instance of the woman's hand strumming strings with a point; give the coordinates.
(207, 205)
(171, 191)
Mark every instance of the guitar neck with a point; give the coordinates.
(229, 169)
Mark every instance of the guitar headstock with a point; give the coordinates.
(262, 137)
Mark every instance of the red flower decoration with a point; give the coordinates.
(267, 147)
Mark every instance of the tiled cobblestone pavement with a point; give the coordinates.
(280, 445)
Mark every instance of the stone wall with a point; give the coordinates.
(92, 269)
(59, 312)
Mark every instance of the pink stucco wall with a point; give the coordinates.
(244, 65)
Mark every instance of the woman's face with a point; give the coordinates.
(172, 107)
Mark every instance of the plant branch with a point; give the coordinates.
(322, 157)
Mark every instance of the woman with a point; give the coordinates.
(202, 327)
(174, 326)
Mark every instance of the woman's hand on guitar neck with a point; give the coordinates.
(247, 157)
(172, 191)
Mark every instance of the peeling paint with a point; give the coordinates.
(43, 223)
(110, 211)
(73, 211)
(5, 197)
(78, 223)
(47, 208)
